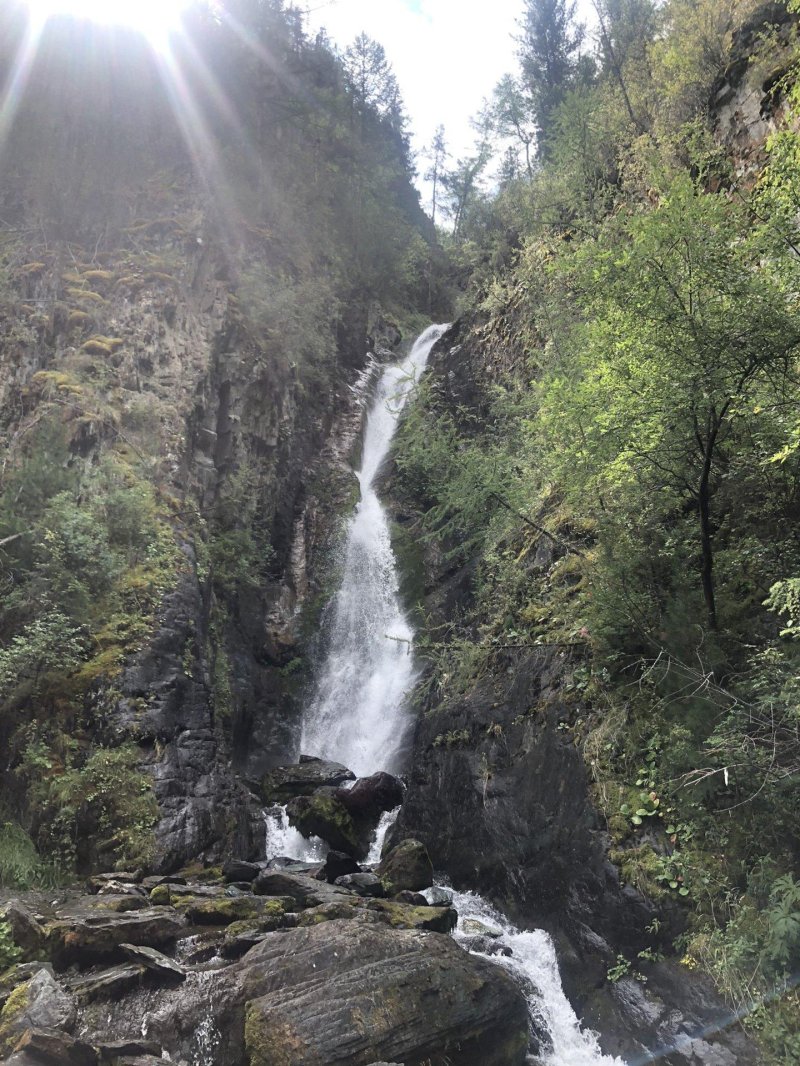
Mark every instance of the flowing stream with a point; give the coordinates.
(358, 715)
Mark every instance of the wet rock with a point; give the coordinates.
(149, 883)
(403, 916)
(371, 796)
(416, 899)
(337, 864)
(18, 975)
(111, 983)
(238, 870)
(241, 936)
(98, 882)
(324, 815)
(56, 1048)
(40, 1003)
(225, 910)
(127, 1048)
(164, 967)
(394, 995)
(327, 912)
(86, 938)
(440, 897)
(407, 866)
(362, 884)
(486, 945)
(306, 891)
(472, 927)
(284, 783)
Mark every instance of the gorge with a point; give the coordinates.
(379, 693)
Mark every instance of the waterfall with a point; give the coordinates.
(358, 714)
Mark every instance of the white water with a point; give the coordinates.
(358, 713)
(358, 716)
(284, 840)
(534, 965)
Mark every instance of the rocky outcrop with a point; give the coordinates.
(319, 973)
(406, 996)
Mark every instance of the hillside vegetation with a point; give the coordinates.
(622, 476)
(194, 249)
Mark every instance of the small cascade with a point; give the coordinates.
(358, 713)
(387, 820)
(534, 965)
(283, 840)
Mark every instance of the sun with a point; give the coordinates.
(154, 18)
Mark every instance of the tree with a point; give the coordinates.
(437, 153)
(513, 116)
(370, 73)
(688, 337)
(548, 53)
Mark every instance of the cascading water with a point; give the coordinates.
(358, 716)
(358, 713)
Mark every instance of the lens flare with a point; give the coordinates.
(154, 18)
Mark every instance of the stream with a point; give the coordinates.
(359, 715)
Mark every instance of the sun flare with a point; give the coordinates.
(154, 18)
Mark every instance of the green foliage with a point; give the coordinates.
(103, 809)
(9, 952)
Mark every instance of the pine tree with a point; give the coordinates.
(549, 54)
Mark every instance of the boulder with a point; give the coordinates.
(337, 864)
(305, 890)
(161, 965)
(473, 927)
(371, 796)
(56, 1048)
(110, 1052)
(239, 870)
(40, 1003)
(416, 899)
(283, 783)
(328, 912)
(27, 929)
(485, 945)
(324, 815)
(86, 938)
(241, 936)
(403, 916)
(223, 910)
(393, 995)
(406, 867)
(362, 884)
(111, 983)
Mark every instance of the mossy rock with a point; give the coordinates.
(407, 916)
(327, 912)
(323, 815)
(222, 911)
(160, 896)
(407, 867)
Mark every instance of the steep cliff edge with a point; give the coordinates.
(188, 320)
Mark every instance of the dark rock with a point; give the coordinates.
(149, 883)
(328, 912)
(338, 864)
(407, 866)
(395, 995)
(402, 916)
(371, 796)
(40, 1003)
(305, 890)
(111, 983)
(26, 929)
(161, 965)
(285, 782)
(238, 870)
(58, 1048)
(109, 1052)
(440, 897)
(362, 884)
(86, 938)
(485, 945)
(325, 816)
(98, 882)
(415, 899)
(223, 910)
(18, 974)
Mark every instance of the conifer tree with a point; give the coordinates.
(549, 54)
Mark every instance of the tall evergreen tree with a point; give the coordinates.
(548, 53)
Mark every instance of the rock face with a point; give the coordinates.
(346, 818)
(405, 996)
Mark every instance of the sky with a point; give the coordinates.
(447, 55)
